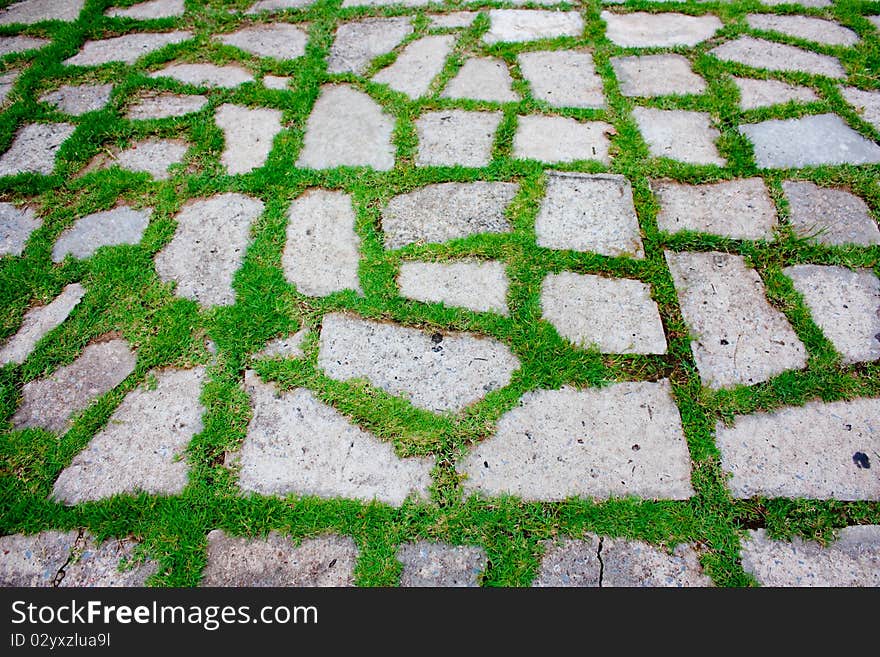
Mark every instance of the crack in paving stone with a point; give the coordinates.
(75, 551)
(601, 563)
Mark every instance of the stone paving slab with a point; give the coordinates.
(642, 30)
(625, 439)
(16, 226)
(77, 100)
(277, 561)
(417, 65)
(452, 20)
(152, 156)
(802, 3)
(482, 78)
(772, 56)
(276, 82)
(272, 6)
(518, 25)
(815, 451)
(29, 12)
(206, 75)
(34, 148)
(820, 30)
(383, 3)
(866, 104)
(286, 347)
(20, 43)
(7, 82)
(766, 93)
(164, 105)
(475, 285)
(358, 43)
(127, 48)
(38, 322)
(557, 139)
(428, 564)
(456, 138)
(875, 20)
(275, 40)
(649, 76)
(149, 10)
(36, 559)
(563, 78)
(439, 372)
(122, 225)
(829, 215)
(248, 133)
(679, 135)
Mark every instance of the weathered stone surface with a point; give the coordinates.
(34, 560)
(322, 251)
(277, 561)
(142, 447)
(278, 5)
(276, 82)
(127, 48)
(206, 75)
(437, 564)
(518, 25)
(737, 336)
(679, 135)
(417, 65)
(49, 403)
(286, 347)
(79, 99)
(563, 78)
(584, 212)
(383, 3)
(816, 451)
(802, 3)
(642, 30)
(846, 306)
(617, 315)
(456, 137)
(297, 444)
(739, 209)
(122, 225)
(625, 439)
(829, 216)
(435, 371)
(765, 93)
(359, 42)
(249, 133)
(866, 104)
(35, 11)
(7, 82)
(149, 10)
(759, 53)
(648, 76)
(34, 148)
(38, 321)
(452, 20)
(570, 563)
(807, 141)
(482, 78)
(447, 211)
(93, 565)
(163, 105)
(853, 560)
(560, 139)
(819, 30)
(16, 226)
(478, 286)
(873, 19)
(20, 43)
(152, 156)
(347, 128)
(275, 40)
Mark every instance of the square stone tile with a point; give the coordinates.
(555, 139)
(679, 135)
(450, 138)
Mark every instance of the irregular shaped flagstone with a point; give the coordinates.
(7, 82)
(649, 76)
(277, 82)
(34, 148)
(286, 347)
(642, 30)
(79, 99)
(559, 139)
(122, 225)
(563, 78)
(358, 43)
(866, 104)
(439, 564)
(679, 135)
(163, 105)
(759, 53)
(452, 20)
(809, 28)
(29, 12)
(38, 322)
(383, 3)
(149, 10)
(516, 25)
(765, 93)
(152, 156)
(274, 40)
(829, 216)
(477, 286)
(20, 43)
(482, 78)
(417, 65)
(127, 48)
(206, 75)
(456, 138)
(248, 133)
(16, 226)
(278, 5)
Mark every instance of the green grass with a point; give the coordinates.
(124, 294)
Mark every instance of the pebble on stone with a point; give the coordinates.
(358, 43)
(754, 94)
(297, 444)
(16, 226)
(517, 25)
(276, 82)
(49, 403)
(866, 104)
(77, 100)
(286, 347)
(738, 209)
(452, 20)
(482, 78)
(642, 30)
(810, 140)
(649, 76)
(34, 148)
(277, 5)
(163, 105)
(560, 139)
(828, 215)
(206, 75)
(417, 65)
(428, 564)
(809, 28)
(447, 211)
(38, 322)
(122, 225)
(149, 10)
(20, 43)
(322, 252)
(762, 54)
(679, 135)
(617, 315)
(435, 371)
(804, 452)
(277, 561)
(248, 133)
(456, 138)
(29, 12)
(563, 78)
(347, 128)
(624, 439)
(737, 336)
(127, 48)
(275, 40)
(152, 156)
(7, 82)
(853, 560)
(845, 304)
(477, 286)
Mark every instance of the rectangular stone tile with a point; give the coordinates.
(679, 135)
(563, 78)
(438, 564)
(643, 30)
(475, 285)
(38, 322)
(16, 226)
(557, 139)
(649, 76)
(417, 65)
(773, 56)
(449, 138)
(829, 215)
(518, 25)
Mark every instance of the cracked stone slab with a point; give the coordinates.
(142, 447)
(589, 212)
(274, 40)
(447, 211)
(277, 561)
(248, 134)
(518, 25)
(36, 559)
(679, 135)
(737, 337)
(20, 43)
(286, 347)
(121, 225)
(7, 82)
(127, 48)
(456, 138)
(151, 9)
(38, 322)
(558, 139)
(322, 252)
(428, 564)
(739, 209)
(617, 315)
(152, 156)
(808, 141)
(816, 451)
(277, 5)
(475, 285)
(77, 100)
(482, 78)
(649, 76)
(754, 94)
(763, 54)
(829, 216)
(34, 148)
(452, 20)
(809, 28)
(417, 65)
(49, 403)
(163, 105)
(206, 75)
(208, 247)
(358, 43)
(16, 226)
(846, 306)
(642, 30)
(853, 560)
(29, 12)
(347, 128)
(563, 78)
(624, 439)
(297, 444)
(439, 372)
(866, 104)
